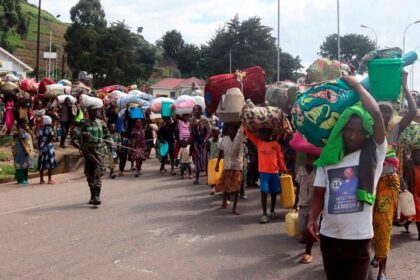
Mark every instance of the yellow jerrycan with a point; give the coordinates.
(287, 195)
(213, 176)
(292, 229)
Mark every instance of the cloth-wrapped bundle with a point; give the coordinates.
(29, 85)
(112, 88)
(116, 94)
(254, 118)
(87, 101)
(317, 110)
(184, 104)
(277, 95)
(9, 88)
(156, 104)
(65, 82)
(199, 100)
(141, 95)
(127, 99)
(322, 70)
(54, 90)
(299, 144)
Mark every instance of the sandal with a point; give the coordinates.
(382, 277)
(236, 212)
(306, 258)
(51, 182)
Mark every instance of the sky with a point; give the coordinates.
(304, 24)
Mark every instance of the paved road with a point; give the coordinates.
(153, 227)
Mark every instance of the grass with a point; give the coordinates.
(5, 140)
(8, 171)
(5, 156)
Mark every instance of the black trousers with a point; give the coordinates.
(345, 259)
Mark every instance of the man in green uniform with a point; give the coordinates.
(91, 137)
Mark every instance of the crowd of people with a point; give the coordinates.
(367, 155)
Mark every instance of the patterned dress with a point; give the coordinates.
(200, 130)
(46, 158)
(138, 143)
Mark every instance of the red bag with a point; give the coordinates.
(252, 86)
(29, 85)
(110, 89)
(42, 85)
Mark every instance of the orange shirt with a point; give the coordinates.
(270, 157)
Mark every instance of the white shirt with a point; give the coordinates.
(233, 151)
(344, 217)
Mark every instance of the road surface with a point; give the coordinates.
(154, 227)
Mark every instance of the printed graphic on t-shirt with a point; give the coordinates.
(342, 191)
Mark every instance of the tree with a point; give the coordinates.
(172, 43)
(121, 57)
(353, 47)
(12, 19)
(88, 22)
(188, 60)
(251, 43)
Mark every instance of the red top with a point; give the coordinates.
(270, 156)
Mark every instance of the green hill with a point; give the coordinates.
(25, 49)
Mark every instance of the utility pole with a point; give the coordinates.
(37, 42)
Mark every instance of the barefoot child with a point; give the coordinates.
(46, 158)
(213, 148)
(270, 163)
(166, 134)
(185, 158)
(305, 177)
(230, 148)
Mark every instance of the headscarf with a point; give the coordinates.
(46, 120)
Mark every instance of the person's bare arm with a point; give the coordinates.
(219, 157)
(370, 104)
(412, 108)
(317, 204)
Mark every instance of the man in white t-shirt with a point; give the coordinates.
(346, 228)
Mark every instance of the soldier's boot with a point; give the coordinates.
(91, 195)
(96, 196)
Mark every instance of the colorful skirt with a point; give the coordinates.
(383, 213)
(230, 181)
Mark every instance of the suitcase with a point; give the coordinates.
(253, 87)
(287, 195)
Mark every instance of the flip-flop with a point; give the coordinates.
(382, 277)
(306, 259)
(374, 263)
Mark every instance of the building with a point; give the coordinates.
(10, 63)
(172, 87)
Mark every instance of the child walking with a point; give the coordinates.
(46, 158)
(113, 151)
(305, 177)
(123, 152)
(230, 148)
(138, 144)
(185, 158)
(270, 163)
(213, 149)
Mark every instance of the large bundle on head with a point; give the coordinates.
(62, 98)
(42, 85)
(251, 81)
(141, 95)
(116, 94)
(55, 90)
(127, 99)
(11, 78)
(322, 70)
(184, 104)
(317, 110)
(255, 118)
(282, 94)
(199, 100)
(9, 88)
(79, 89)
(231, 105)
(86, 101)
(29, 85)
(112, 88)
(156, 104)
(65, 82)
